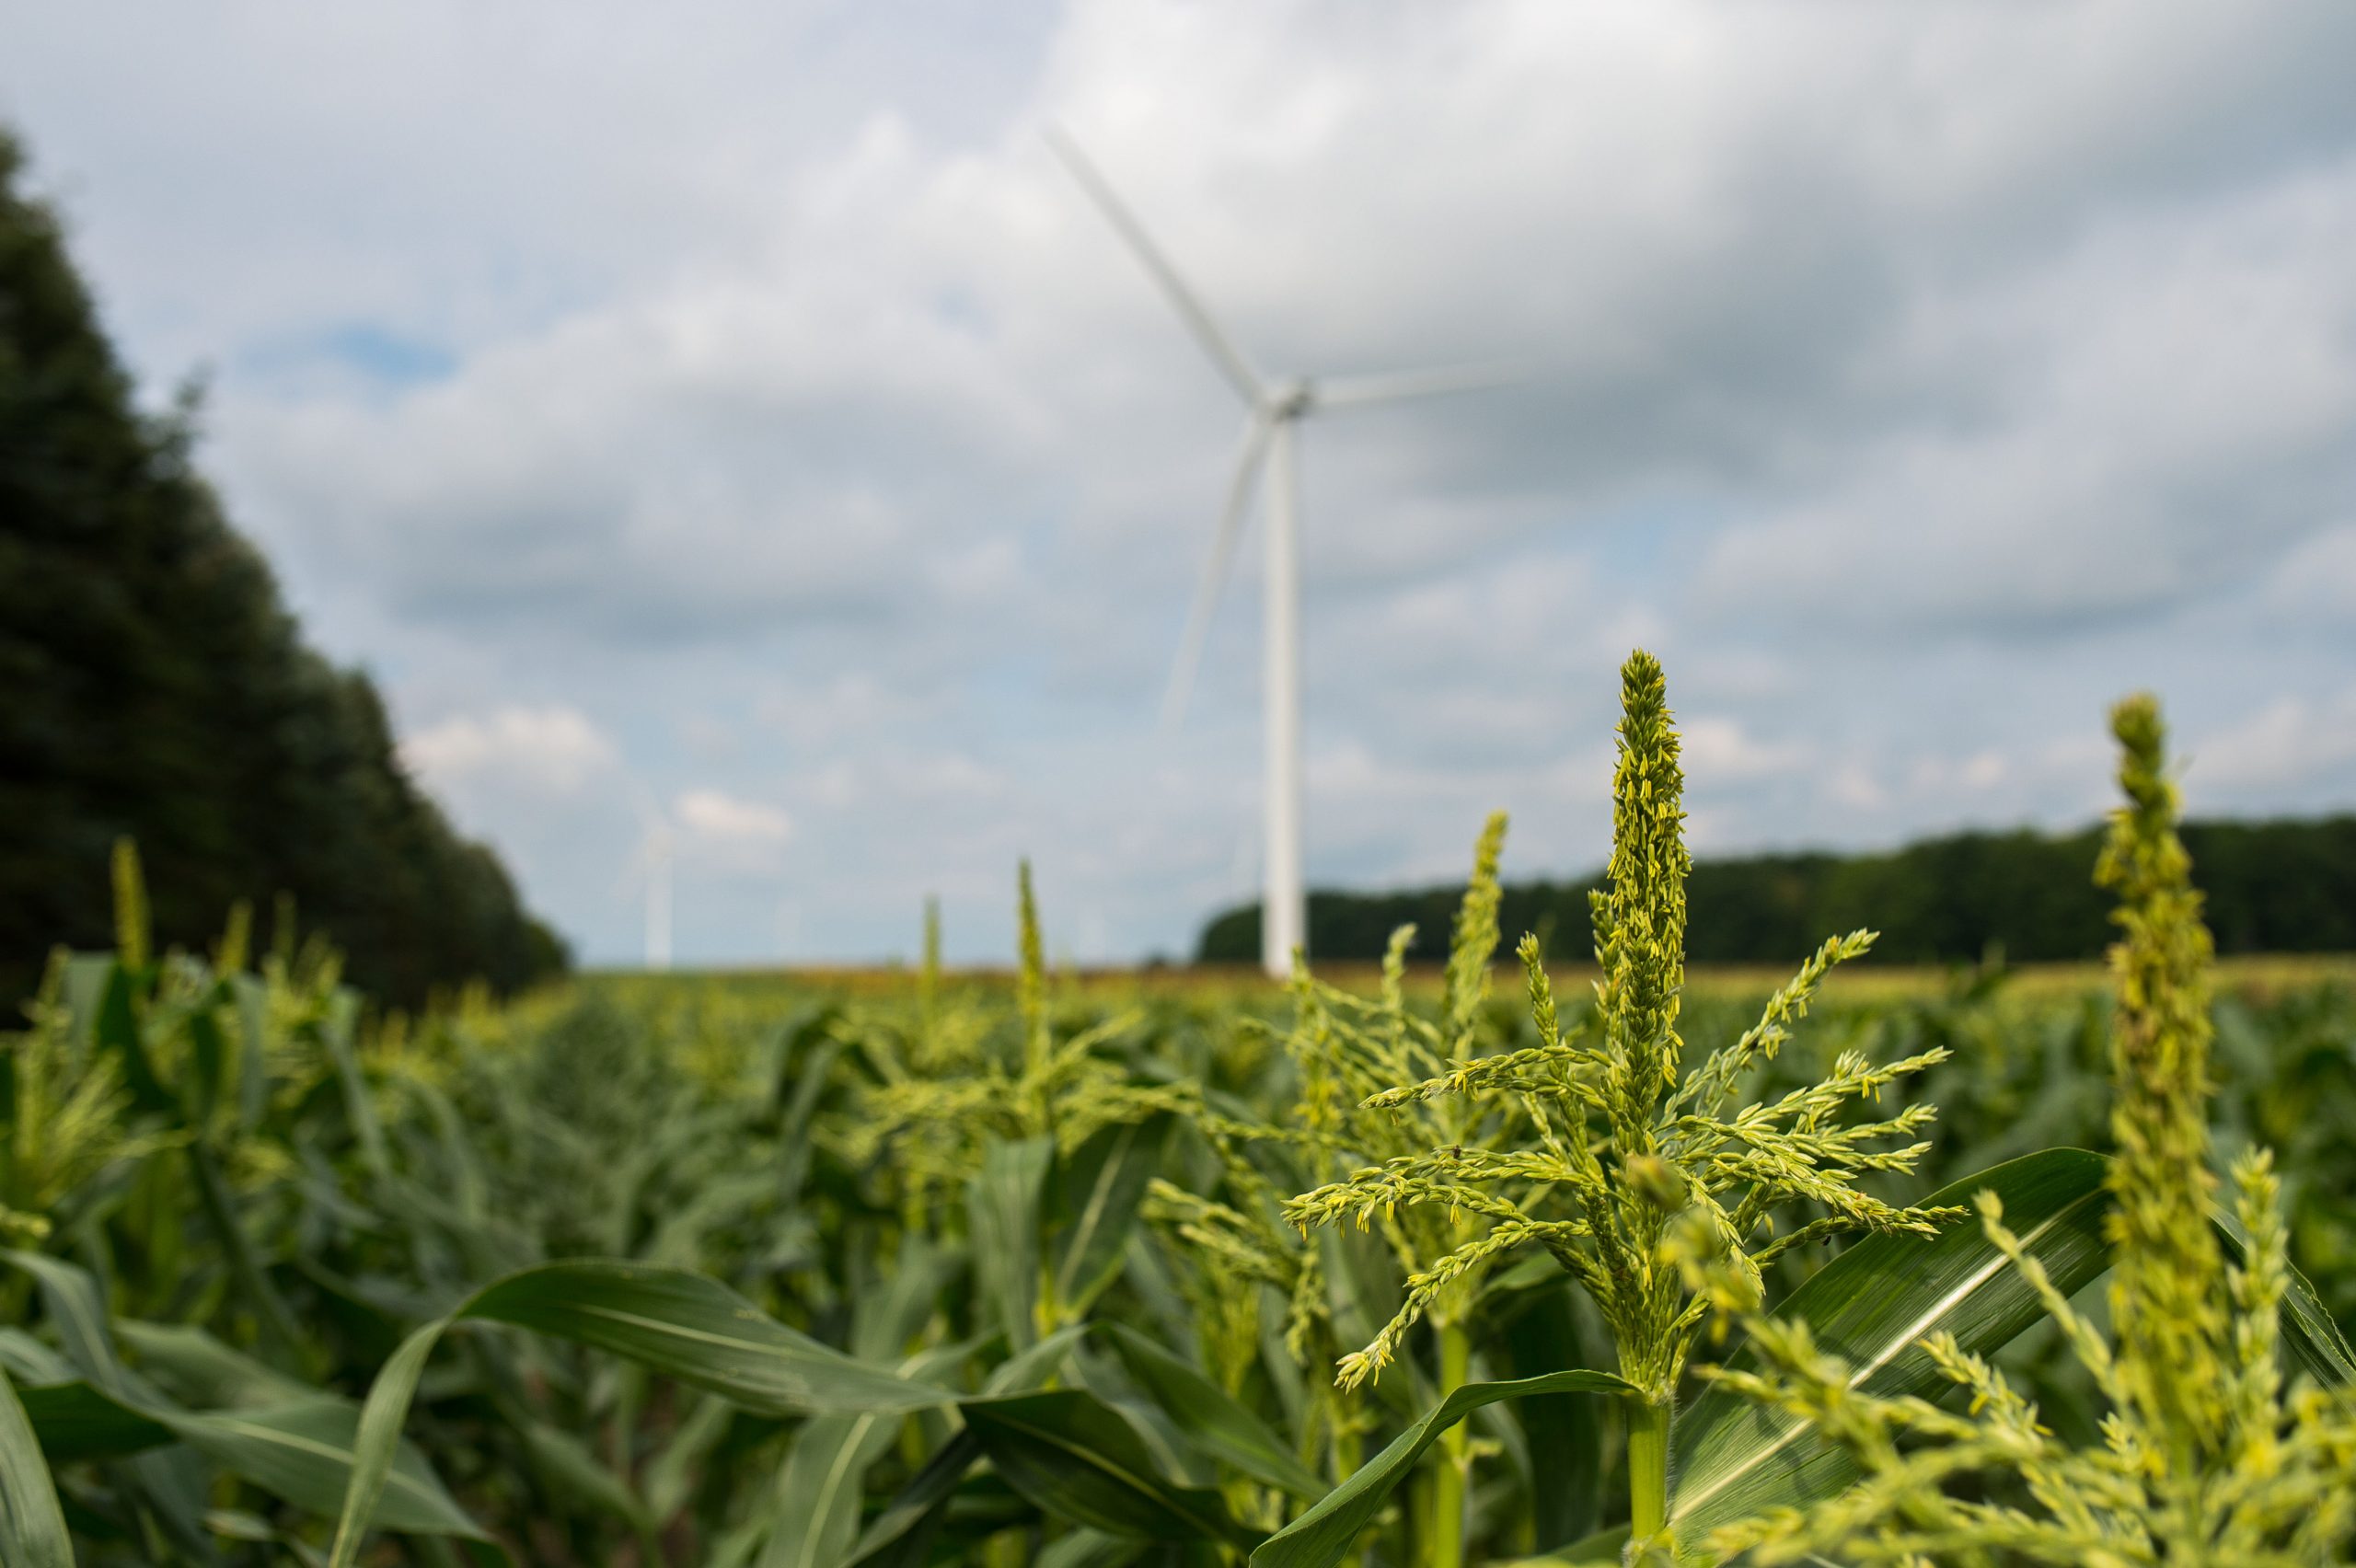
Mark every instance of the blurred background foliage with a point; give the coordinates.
(269, 1185)
(2268, 887)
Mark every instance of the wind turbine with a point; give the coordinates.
(1275, 408)
(653, 860)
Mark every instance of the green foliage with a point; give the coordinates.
(1589, 1147)
(2270, 887)
(2207, 1453)
(970, 1269)
(157, 687)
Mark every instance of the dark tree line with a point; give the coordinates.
(2270, 887)
(153, 684)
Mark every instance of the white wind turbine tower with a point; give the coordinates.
(1275, 408)
(651, 860)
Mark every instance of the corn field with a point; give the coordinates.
(1529, 1261)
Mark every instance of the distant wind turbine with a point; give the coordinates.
(1274, 408)
(651, 861)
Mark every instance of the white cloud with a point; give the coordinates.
(1916, 380)
(2173, 402)
(723, 821)
(549, 751)
(2270, 756)
(1718, 752)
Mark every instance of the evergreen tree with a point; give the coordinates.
(153, 684)
(2270, 887)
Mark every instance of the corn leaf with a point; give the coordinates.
(1872, 1307)
(1092, 1549)
(1077, 1459)
(1321, 1535)
(901, 1536)
(683, 1325)
(1002, 1213)
(2310, 1337)
(1541, 1330)
(300, 1452)
(1096, 1192)
(819, 1489)
(1208, 1416)
(32, 1526)
(691, 1327)
(74, 1421)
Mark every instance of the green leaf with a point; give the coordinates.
(681, 1463)
(684, 1325)
(1033, 1369)
(885, 1319)
(380, 1431)
(116, 1029)
(1871, 1306)
(32, 1526)
(79, 1313)
(207, 1063)
(1002, 1215)
(1074, 1457)
(304, 1453)
(30, 1362)
(901, 1536)
(2309, 1335)
(334, 1032)
(1097, 1191)
(253, 1030)
(691, 1327)
(1542, 1330)
(1321, 1535)
(300, 1452)
(1206, 1414)
(1604, 1549)
(1363, 1290)
(292, 1455)
(201, 1372)
(819, 1491)
(244, 1267)
(74, 1421)
(1092, 1549)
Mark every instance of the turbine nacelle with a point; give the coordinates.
(1289, 399)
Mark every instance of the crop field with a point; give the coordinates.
(1576, 1260)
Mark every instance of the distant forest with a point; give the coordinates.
(153, 684)
(2270, 887)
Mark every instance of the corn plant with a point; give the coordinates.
(1589, 1147)
(2208, 1453)
(750, 1271)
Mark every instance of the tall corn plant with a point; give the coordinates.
(1592, 1146)
(1341, 1049)
(2209, 1452)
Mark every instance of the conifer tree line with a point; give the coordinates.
(2267, 887)
(153, 685)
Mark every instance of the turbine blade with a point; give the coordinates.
(1198, 618)
(1354, 391)
(1216, 343)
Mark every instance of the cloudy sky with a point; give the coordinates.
(735, 406)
